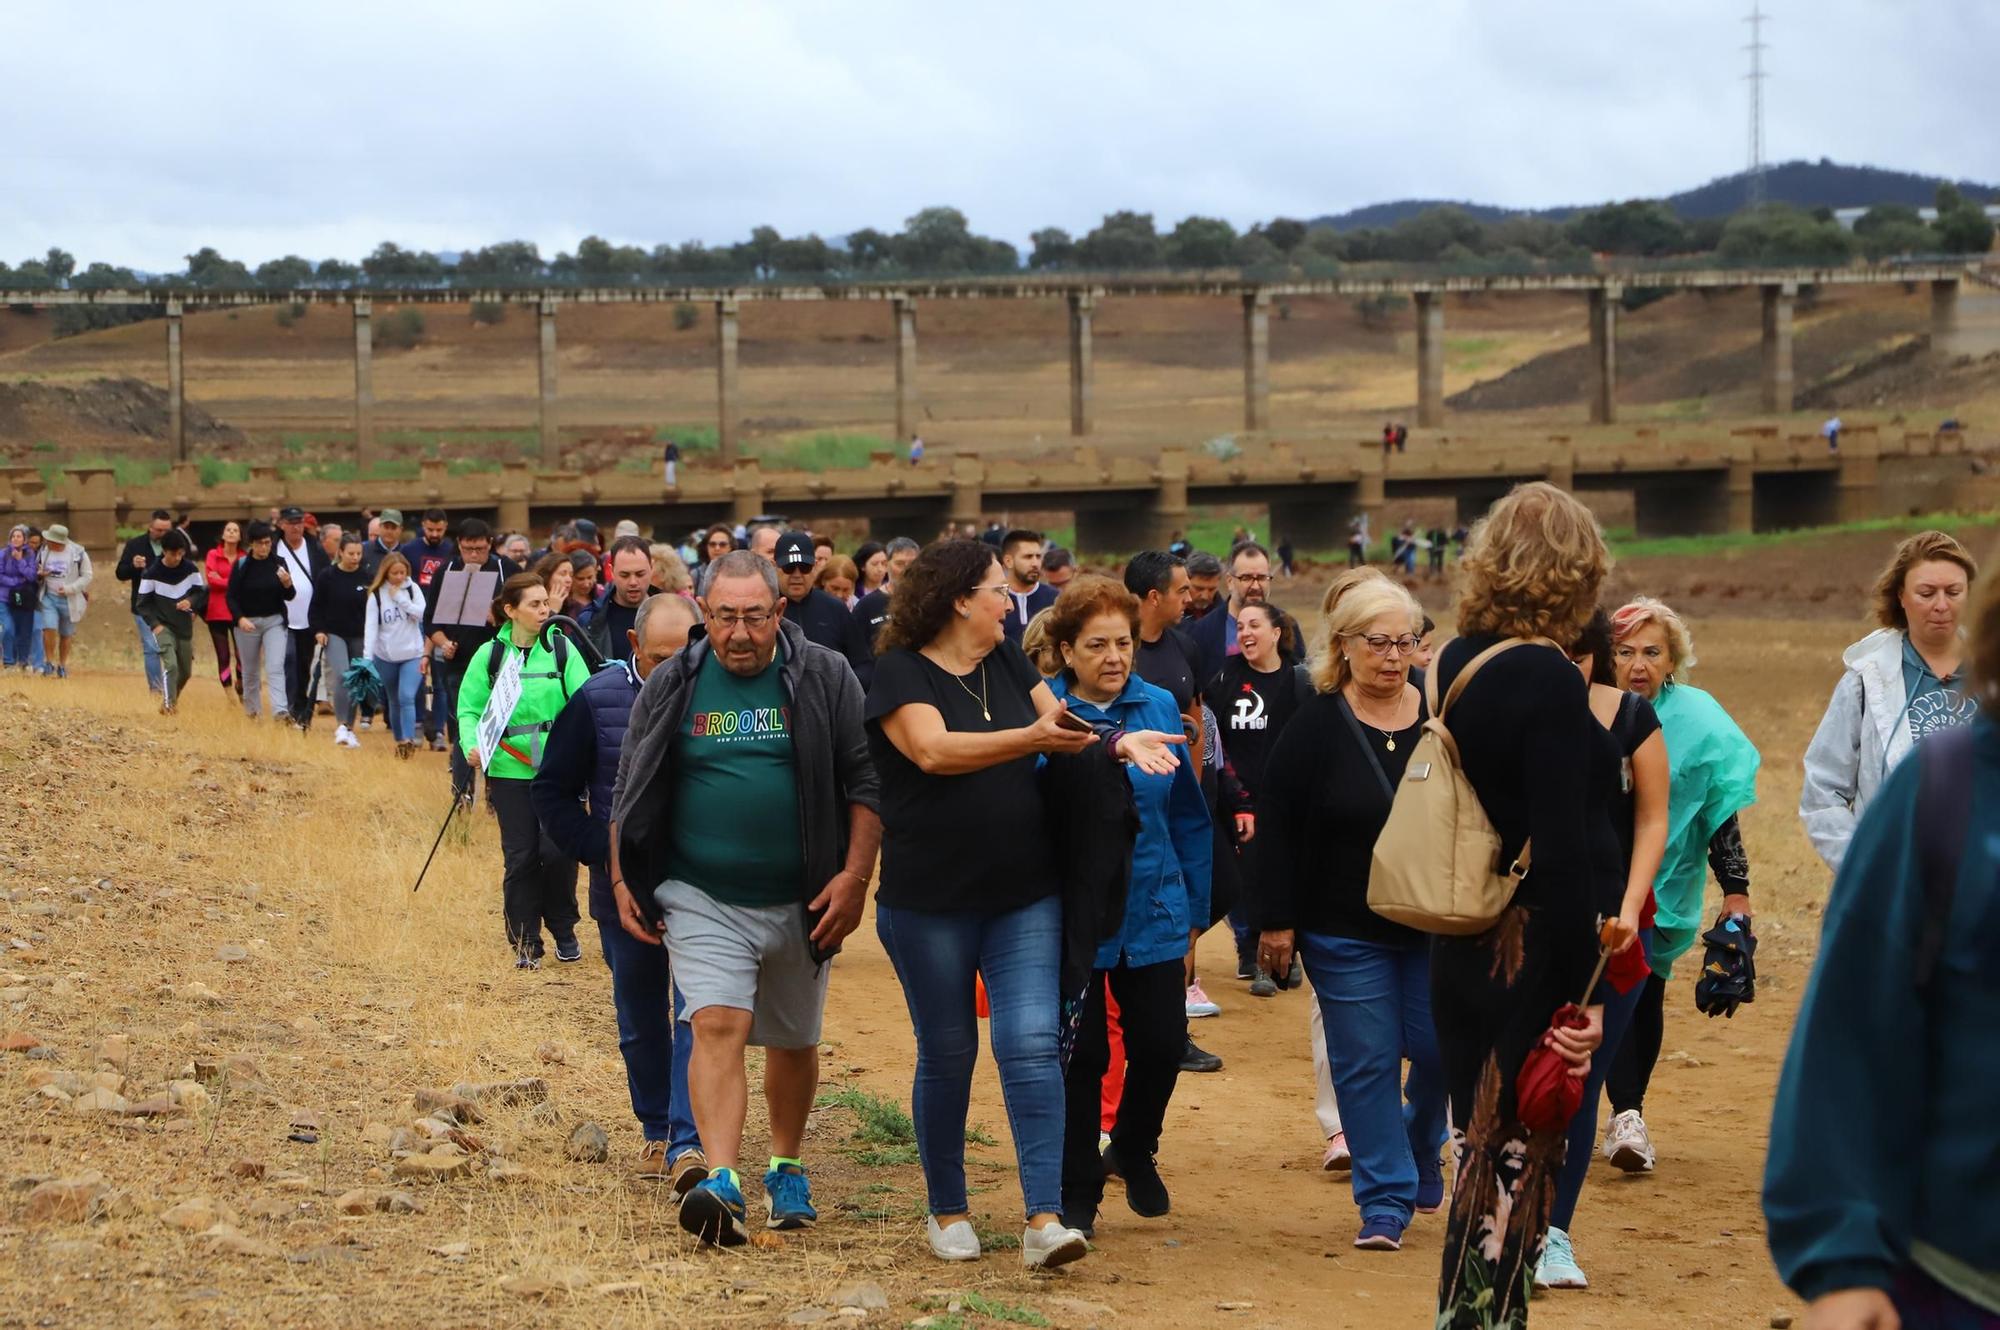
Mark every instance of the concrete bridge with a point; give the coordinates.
(1684, 480)
(1603, 290)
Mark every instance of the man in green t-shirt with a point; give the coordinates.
(746, 812)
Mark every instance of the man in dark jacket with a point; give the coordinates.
(304, 560)
(140, 551)
(428, 552)
(746, 813)
(572, 794)
(1214, 634)
(631, 571)
(455, 643)
(823, 619)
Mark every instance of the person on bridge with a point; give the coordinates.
(821, 617)
(1830, 431)
(572, 793)
(916, 450)
(1021, 556)
(745, 825)
(672, 463)
(1904, 684)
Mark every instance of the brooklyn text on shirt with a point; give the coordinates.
(750, 723)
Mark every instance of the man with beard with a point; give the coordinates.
(455, 643)
(1214, 634)
(1021, 556)
(1204, 584)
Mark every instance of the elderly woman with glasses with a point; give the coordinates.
(1322, 801)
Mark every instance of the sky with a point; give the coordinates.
(144, 130)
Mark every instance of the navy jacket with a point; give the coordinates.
(828, 622)
(1210, 634)
(572, 788)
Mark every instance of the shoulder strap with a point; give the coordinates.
(1374, 758)
(1944, 816)
(1472, 667)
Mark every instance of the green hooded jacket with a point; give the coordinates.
(544, 691)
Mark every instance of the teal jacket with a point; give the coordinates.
(1883, 1136)
(543, 694)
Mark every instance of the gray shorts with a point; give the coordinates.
(752, 958)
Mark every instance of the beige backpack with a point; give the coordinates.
(1437, 862)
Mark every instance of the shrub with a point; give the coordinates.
(401, 330)
(685, 316)
(488, 312)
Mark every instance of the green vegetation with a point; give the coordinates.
(1632, 547)
(127, 470)
(975, 1303)
(878, 1121)
(399, 331)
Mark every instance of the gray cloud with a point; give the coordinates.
(319, 129)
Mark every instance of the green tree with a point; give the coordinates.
(60, 264)
(1053, 249)
(1201, 242)
(507, 261)
(1884, 215)
(1285, 233)
(210, 271)
(1122, 240)
(1254, 249)
(1637, 226)
(286, 274)
(1425, 237)
(1962, 226)
(73, 319)
(869, 249)
(803, 256)
(392, 265)
(1781, 234)
(336, 273)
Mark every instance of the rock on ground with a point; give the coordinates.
(588, 1144)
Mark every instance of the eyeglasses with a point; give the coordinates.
(1001, 587)
(754, 620)
(1252, 578)
(1380, 645)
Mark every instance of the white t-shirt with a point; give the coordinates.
(299, 562)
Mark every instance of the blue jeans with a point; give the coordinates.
(399, 690)
(936, 954)
(1375, 1001)
(22, 636)
(1582, 1146)
(152, 650)
(655, 1047)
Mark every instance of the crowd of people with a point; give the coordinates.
(734, 732)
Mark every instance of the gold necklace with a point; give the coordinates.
(980, 696)
(1388, 736)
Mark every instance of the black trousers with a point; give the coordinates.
(299, 648)
(1632, 1066)
(1152, 1012)
(539, 882)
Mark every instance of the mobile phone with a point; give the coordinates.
(1069, 720)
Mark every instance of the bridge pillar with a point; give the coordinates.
(968, 490)
(176, 386)
(517, 484)
(1430, 358)
(1081, 369)
(1371, 499)
(905, 310)
(1944, 315)
(364, 386)
(547, 364)
(92, 516)
(726, 407)
(1693, 505)
(1858, 487)
(1257, 359)
(1743, 490)
(1170, 501)
(1604, 354)
(1778, 347)
(747, 487)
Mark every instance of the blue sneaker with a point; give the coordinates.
(1380, 1234)
(1430, 1187)
(713, 1211)
(1558, 1267)
(790, 1197)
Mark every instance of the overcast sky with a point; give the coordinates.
(138, 131)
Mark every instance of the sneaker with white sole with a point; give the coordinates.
(1558, 1267)
(1052, 1245)
(1627, 1144)
(1338, 1158)
(344, 737)
(953, 1242)
(1199, 1003)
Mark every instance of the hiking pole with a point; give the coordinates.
(434, 845)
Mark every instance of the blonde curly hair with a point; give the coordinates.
(1532, 567)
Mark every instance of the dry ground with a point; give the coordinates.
(139, 845)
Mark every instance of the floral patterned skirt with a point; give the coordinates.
(1492, 996)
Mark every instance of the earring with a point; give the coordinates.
(965, 614)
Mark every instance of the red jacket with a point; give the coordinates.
(216, 566)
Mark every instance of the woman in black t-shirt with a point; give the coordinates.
(957, 719)
(1629, 782)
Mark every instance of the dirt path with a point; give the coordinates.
(352, 994)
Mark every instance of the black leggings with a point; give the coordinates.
(539, 882)
(1152, 1012)
(1632, 1068)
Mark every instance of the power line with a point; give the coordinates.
(1757, 19)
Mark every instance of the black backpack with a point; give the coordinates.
(557, 642)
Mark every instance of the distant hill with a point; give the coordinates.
(1821, 184)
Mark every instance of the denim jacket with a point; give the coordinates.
(1168, 897)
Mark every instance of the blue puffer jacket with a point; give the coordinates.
(1168, 898)
(573, 786)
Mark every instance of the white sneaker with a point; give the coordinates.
(345, 737)
(1047, 1248)
(1627, 1144)
(953, 1242)
(1558, 1267)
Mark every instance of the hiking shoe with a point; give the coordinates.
(652, 1163)
(568, 948)
(1145, 1192)
(1050, 1246)
(1338, 1158)
(789, 1196)
(1199, 1003)
(1558, 1267)
(713, 1211)
(527, 960)
(1246, 968)
(1298, 975)
(1430, 1186)
(1194, 1058)
(1379, 1234)
(1627, 1144)
(687, 1171)
(1263, 985)
(955, 1241)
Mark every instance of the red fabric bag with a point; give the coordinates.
(1547, 1093)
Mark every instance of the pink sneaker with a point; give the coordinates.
(1337, 1159)
(1199, 1003)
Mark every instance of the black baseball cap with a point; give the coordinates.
(795, 550)
(292, 514)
